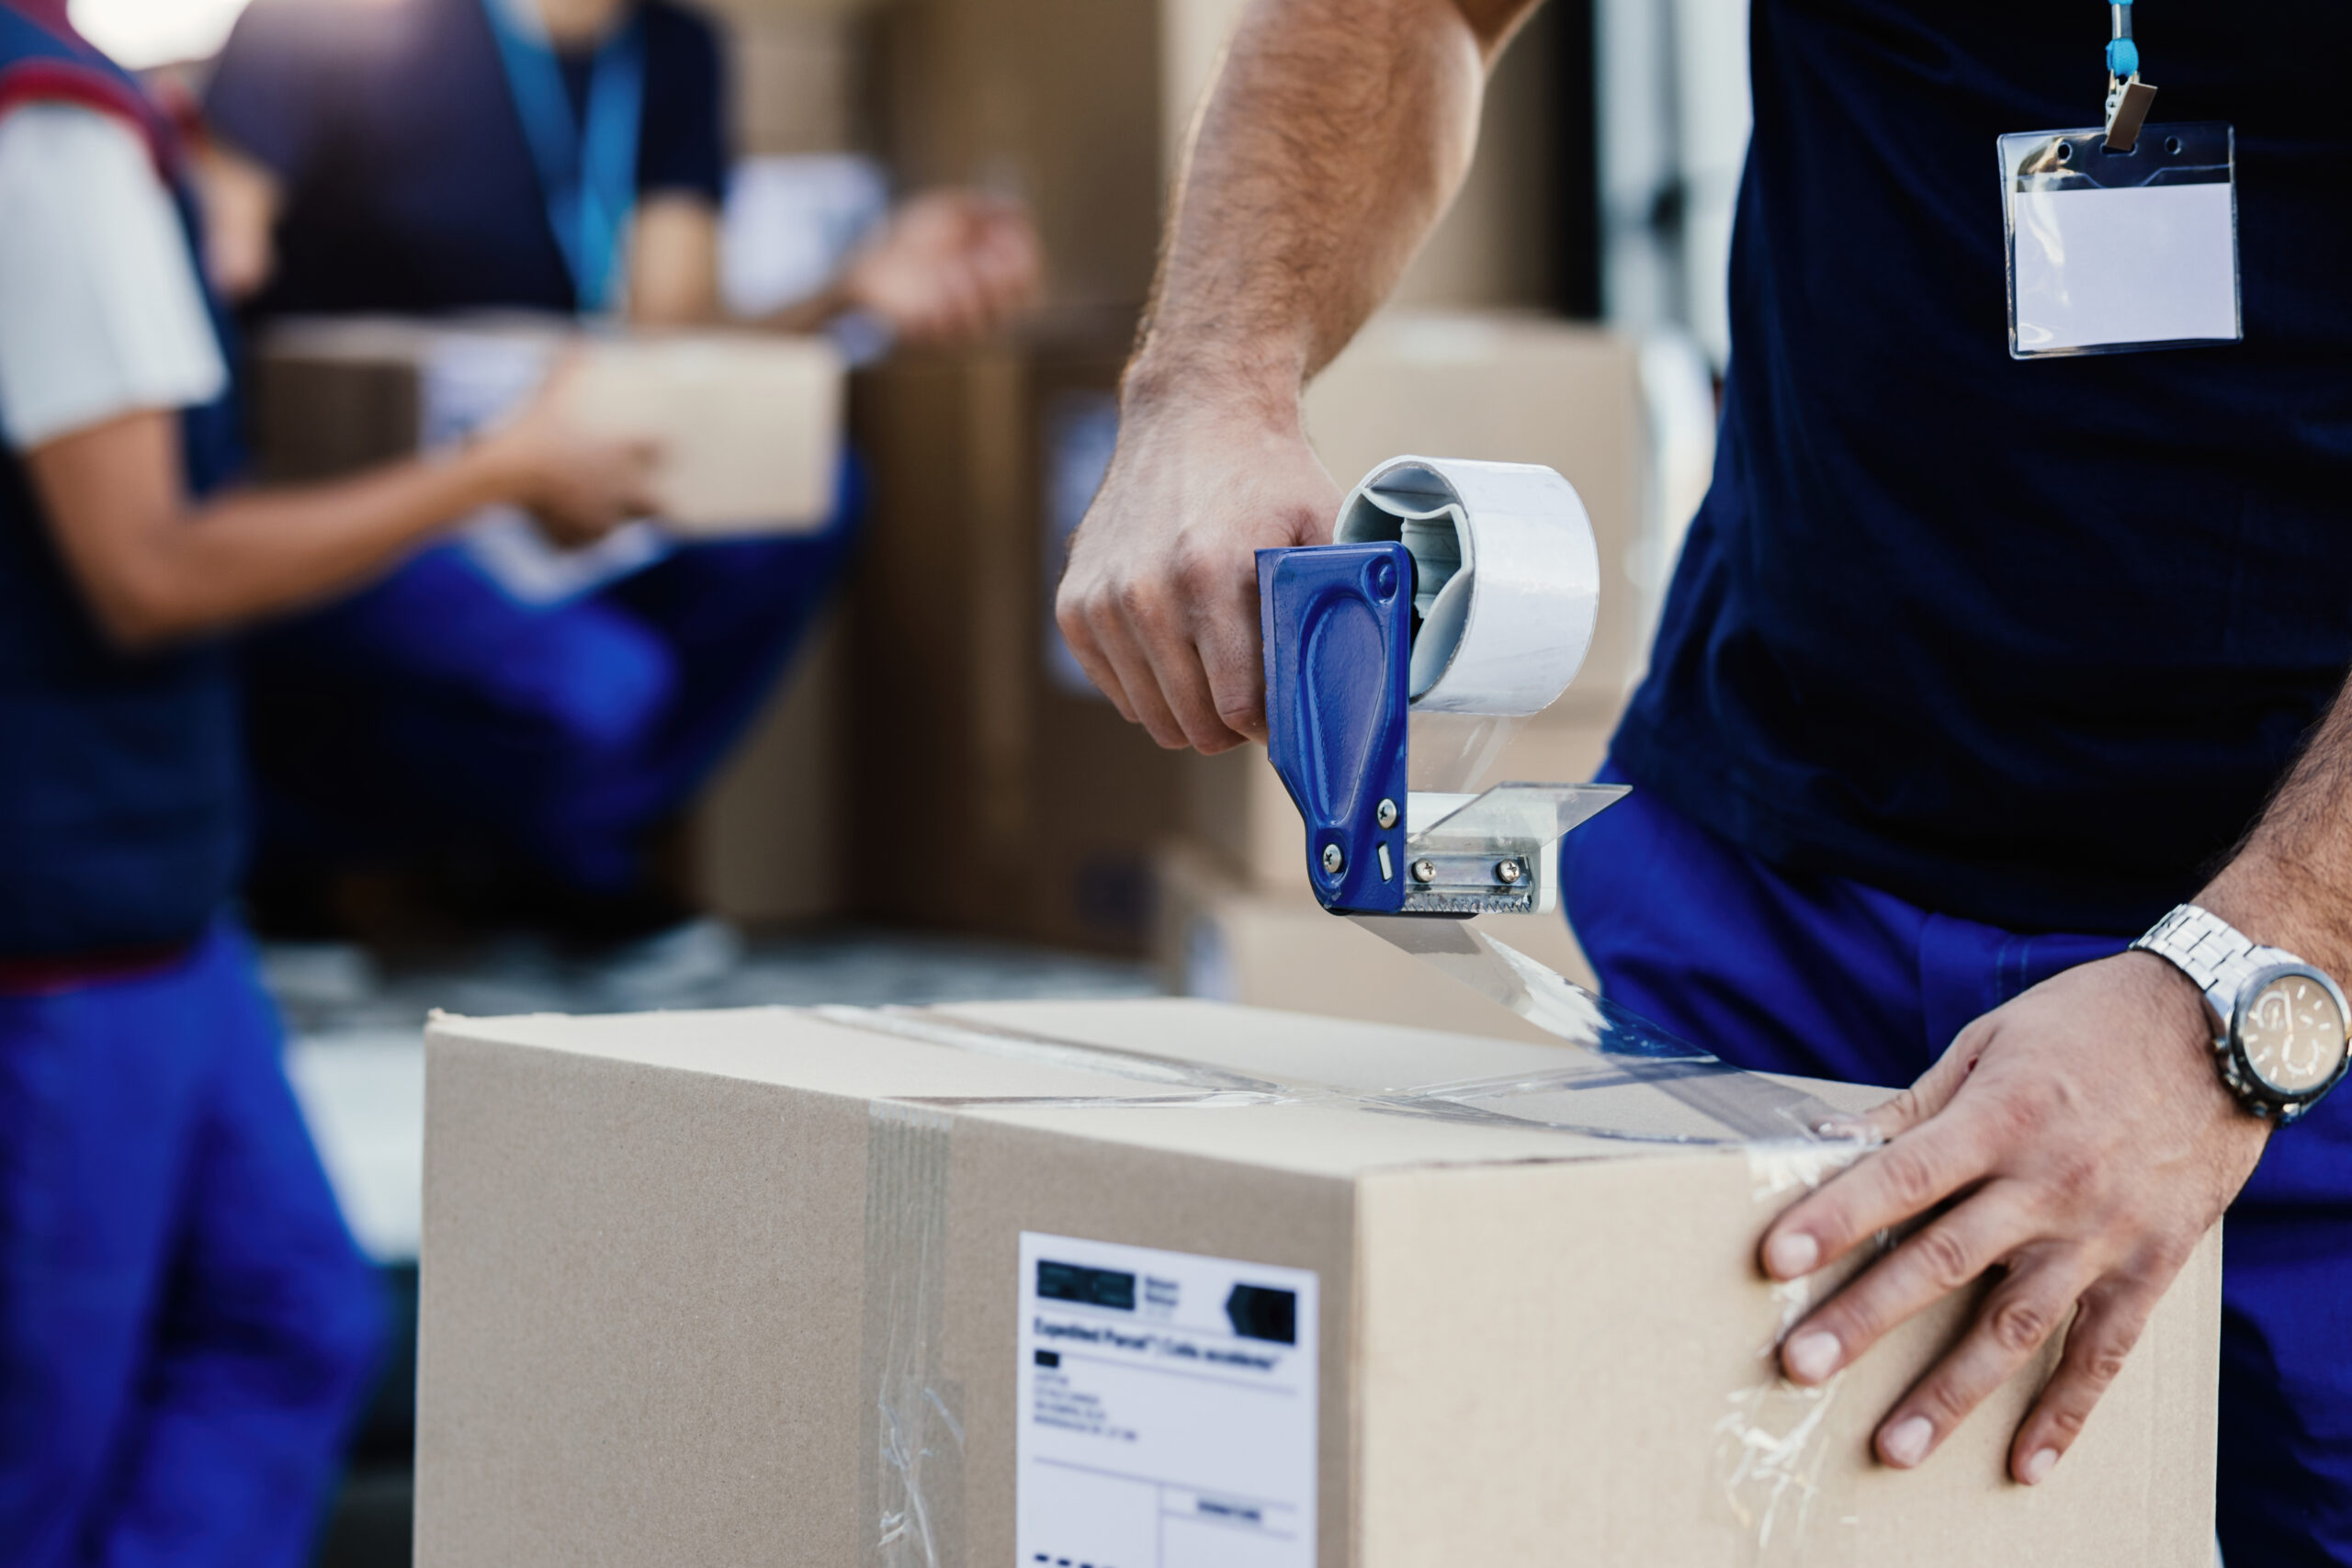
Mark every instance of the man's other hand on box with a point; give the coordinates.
(2072, 1147)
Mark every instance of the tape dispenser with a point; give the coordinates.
(1453, 592)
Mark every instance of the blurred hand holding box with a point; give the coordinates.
(750, 423)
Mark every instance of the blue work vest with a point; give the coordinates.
(121, 784)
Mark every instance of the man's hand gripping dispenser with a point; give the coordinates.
(1451, 588)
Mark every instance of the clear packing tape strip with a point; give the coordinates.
(913, 1472)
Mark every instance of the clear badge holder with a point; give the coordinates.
(2115, 250)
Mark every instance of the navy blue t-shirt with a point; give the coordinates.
(410, 187)
(2022, 642)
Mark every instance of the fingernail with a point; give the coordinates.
(1906, 1443)
(2038, 1466)
(1812, 1357)
(1789, 1255)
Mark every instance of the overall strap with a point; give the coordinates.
(43, 60)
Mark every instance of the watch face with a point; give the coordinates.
(2292, 1035)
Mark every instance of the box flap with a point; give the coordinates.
(1251, 1086)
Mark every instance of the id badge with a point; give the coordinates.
(2112, 251)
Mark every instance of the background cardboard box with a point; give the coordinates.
(764, 844)
(1237, 921)
(752, 1287)
(750, 423)
(1238, 813)
(1218, 938)
(1507, 388)
(1513, 386)
(1080, 107)
(985, 793)
(1040, 813)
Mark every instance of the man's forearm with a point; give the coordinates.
(2290, 885)
(1333, 140)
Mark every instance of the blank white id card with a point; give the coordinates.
(1167, 1409)
(2114, 252)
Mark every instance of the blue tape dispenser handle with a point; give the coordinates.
(1337, 623)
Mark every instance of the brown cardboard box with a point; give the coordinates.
(1054, 101)
(1483, 385)
(989, 794)
(928, 1288)
(764, 841)
(1220, 940)
(1497, 244)
(1237, 812)
(750, 423)
(1513, 387)
(1080, 107)
(1039, 812)
(793, 75)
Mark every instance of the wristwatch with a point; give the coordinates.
(2279, 1038)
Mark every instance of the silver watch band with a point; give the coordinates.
(2217, 957)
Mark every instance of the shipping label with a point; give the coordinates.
(1167, 1407)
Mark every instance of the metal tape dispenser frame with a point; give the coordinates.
(1454, 588)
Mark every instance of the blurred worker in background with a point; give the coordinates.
(562, 155)
(186, 1326)
(1970, 669)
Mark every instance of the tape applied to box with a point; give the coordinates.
(913, 1468)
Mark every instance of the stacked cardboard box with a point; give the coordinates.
(765, 844)
(1080, 107)
(795, 71)
(991, 789)
(1167, 1285)
(1026, 807)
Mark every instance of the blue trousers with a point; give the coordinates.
(1819, 975)
(186, 1326)
(432, 713)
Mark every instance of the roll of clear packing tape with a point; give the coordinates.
(1507, 578)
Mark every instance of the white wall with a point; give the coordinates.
(144, 33)
(1674, 124)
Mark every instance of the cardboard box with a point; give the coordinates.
(990, 792)
(794, 75)
(750, 423)
(1498, 243)
(1221, 940)
(764, 843)
(1511, 388)
(1238, 814)
(1493, 385)
(1038, 810)
(933, 1287)
(1080, 107)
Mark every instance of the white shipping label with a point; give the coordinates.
(1167, 1409)
(2140, 266)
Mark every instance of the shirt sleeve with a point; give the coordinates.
(101, 312)
(270, 86)
(681, 139)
